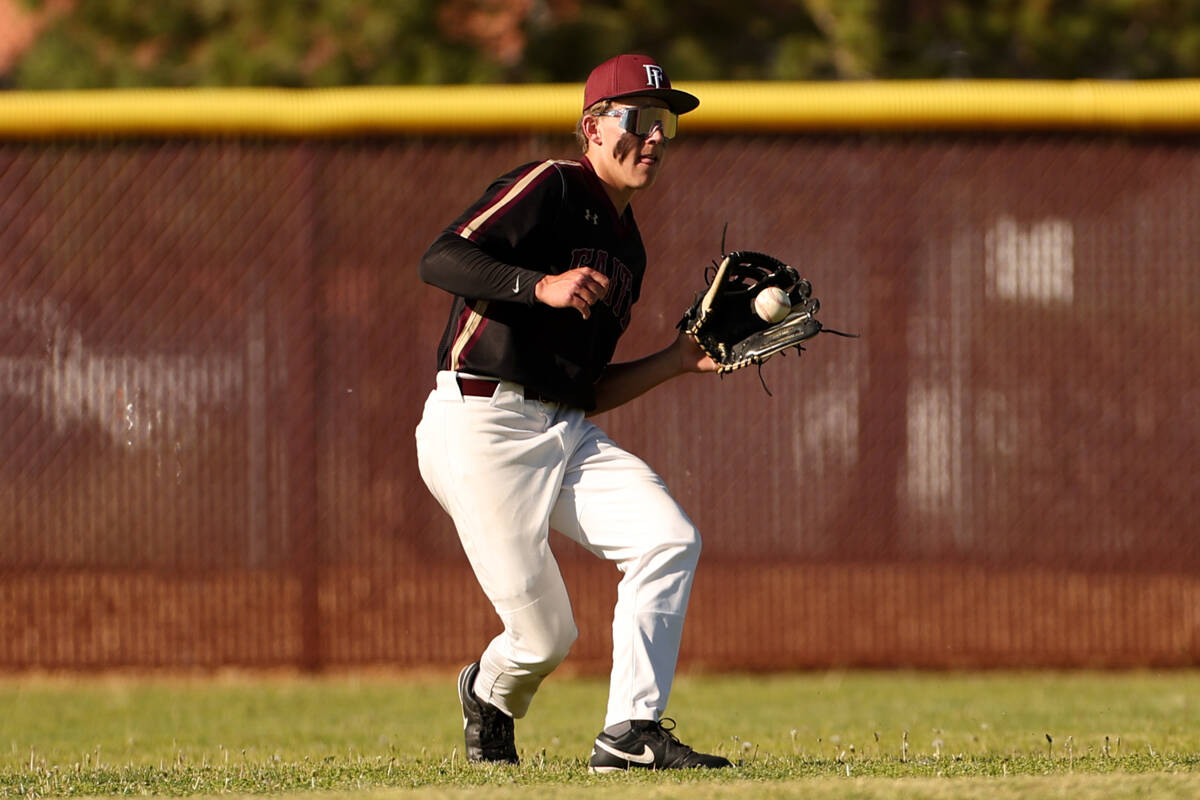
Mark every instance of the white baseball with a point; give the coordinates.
(772, 304)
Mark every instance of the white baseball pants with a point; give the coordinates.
(506, 470)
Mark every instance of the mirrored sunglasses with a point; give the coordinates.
(640, 120)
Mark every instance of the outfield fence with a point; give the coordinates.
(214, 348)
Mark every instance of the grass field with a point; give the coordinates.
(886, 735)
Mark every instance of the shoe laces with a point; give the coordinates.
(667, 732)
(492, 720)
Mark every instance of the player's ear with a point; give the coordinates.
(590, 125)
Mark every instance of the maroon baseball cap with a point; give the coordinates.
(625, 75)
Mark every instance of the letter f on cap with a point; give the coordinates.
(631, 74)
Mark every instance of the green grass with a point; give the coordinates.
(815, 735)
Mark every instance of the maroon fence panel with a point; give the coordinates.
(213, 354)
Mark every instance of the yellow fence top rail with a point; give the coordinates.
(727, 107)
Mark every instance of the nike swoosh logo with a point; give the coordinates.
(647, 756)
(517, 287)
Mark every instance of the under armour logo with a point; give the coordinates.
(654, 75)
(591, 216)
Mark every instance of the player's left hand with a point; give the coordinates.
(692, 357)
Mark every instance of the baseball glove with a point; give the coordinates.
(724, 321)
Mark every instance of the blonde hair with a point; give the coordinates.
(598, 107)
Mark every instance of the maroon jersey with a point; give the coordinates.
(541, 218)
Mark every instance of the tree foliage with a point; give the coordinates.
(291, 43)
(122, 43)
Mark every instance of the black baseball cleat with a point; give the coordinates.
(648, 745)
(487, 729)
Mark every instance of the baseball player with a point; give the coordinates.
(545, 268)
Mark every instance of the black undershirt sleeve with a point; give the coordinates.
(460, 267)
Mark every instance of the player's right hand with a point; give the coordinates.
(578, 288)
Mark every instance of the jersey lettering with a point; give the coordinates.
(582, 257)
(620, 277)
(600, 264)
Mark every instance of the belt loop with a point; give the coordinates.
(447, 383)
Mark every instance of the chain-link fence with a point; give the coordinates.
(213, 353)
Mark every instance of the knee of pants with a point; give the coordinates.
(680, 549)
(666, 566)
(561, 645)
(550, 648)
(541, 633)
